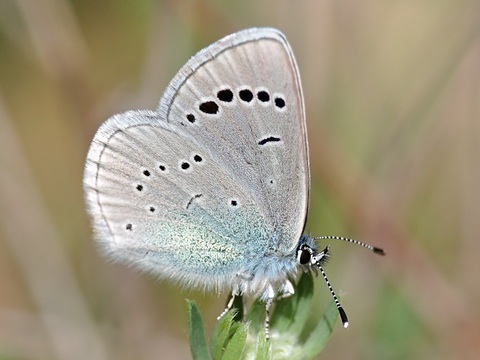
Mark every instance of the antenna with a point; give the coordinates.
(374, 249)
(343, 315)
(324, 253)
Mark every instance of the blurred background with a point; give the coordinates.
(392, 93)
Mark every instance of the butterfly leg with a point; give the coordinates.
(287, 290)
(268, 306)
(229, 305)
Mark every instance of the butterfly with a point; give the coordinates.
(211, 189)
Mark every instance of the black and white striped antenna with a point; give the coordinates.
(373, 249)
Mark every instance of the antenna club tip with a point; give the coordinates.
(378, 251)
(343, 316)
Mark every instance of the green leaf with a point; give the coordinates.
(319, 336)
(232, 339)
(262, 352)
(304, 296)
(236, 345)
(198, 345)
(292, 313)
(256, 316)
(220, 334)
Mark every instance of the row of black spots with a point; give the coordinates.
(231, 202)
(207, 107)
(129, 226)
(152, 209)
(210, 107)
(140, 187)
(147, 173)
(263, 96)
(186, 165)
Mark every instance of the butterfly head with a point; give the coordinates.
(308, 256)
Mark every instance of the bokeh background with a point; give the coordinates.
(392, 92)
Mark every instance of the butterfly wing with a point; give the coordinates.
(241, 98)
(193, 191)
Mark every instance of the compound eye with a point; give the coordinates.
(304, 257)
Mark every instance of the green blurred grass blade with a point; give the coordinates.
(196, 335)
(283, 314)
(262, 352)
(221, 333)
(292, 313)
(317, 339)
(236, 345)
(304, 302)
(256, 316)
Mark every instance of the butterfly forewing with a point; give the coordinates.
(241, 100)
